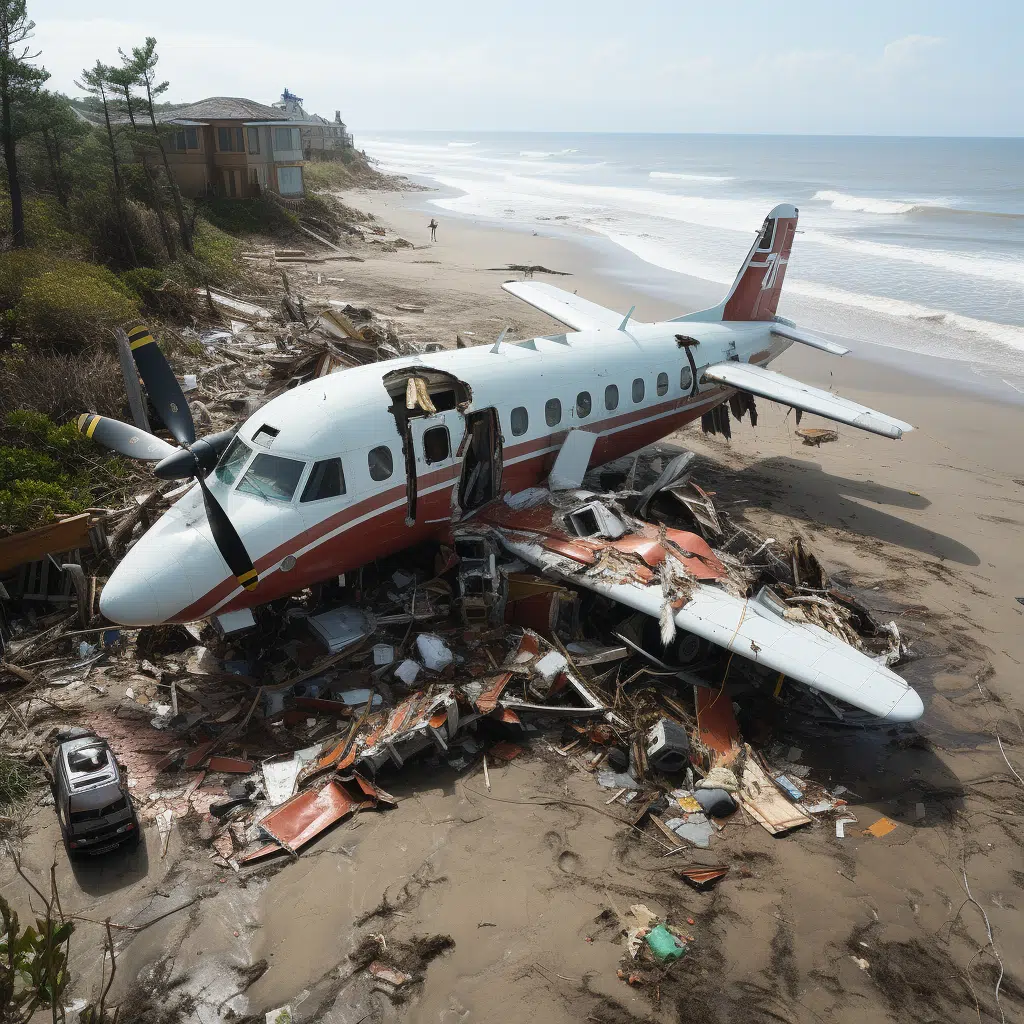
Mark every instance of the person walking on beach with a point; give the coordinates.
(433, 229)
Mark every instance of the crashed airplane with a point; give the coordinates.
(371, 460)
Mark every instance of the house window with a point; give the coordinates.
(685, 379)
(381, 463)
(638, 390)
(519, 421)
(662, 383)
(229, 184)
(611, 397)
(327, 480)
(289, 181)
(583, 405)
(185, 139)
(229, 140)
(254, 140)
(436, 445)
(286, 138)
(553, 412)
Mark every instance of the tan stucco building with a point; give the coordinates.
(236, 148)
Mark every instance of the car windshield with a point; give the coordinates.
(271, 476)
(232, 461)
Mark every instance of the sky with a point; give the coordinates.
(902, 67)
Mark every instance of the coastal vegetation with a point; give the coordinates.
(94, 232)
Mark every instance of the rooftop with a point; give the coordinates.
(222, 108)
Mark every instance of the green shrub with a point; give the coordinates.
(135, 243)
(16, 268)
(248, 216)
(41, 471)
(73, 304)
(216, 255)
(47, 225)
(160, 294)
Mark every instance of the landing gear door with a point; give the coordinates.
(435, 440)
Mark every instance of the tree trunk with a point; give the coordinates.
(118, 187)
(11, 159)
(179, 207)
(154, 188)
(56, 170)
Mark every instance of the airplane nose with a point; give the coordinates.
(129, 599)
(909, 708)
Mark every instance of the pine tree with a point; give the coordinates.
(20, 80)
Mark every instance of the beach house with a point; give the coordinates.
(236, 148)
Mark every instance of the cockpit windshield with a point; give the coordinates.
(232, 461)
(272, 476)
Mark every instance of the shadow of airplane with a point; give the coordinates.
(805, 491)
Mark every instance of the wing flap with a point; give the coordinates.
(778, 388)
(571, 310)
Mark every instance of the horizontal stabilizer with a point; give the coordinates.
(566, 308)
(806, 337)
(777, 388)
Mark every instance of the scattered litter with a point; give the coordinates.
(408, 671)
(434, 652)
(841, 824)
(882, 827)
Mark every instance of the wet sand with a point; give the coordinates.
(523, 878)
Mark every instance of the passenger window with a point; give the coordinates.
(553, 412)
(436, 445)
(662, 383)
(327, 480)
(583, 404)
(638, 390)
(685, 379)
(520, 421)
(611, 397)
(380, 462)
(271, 476)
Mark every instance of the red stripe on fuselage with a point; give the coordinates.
(386, 531)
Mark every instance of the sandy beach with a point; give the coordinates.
(533, 879)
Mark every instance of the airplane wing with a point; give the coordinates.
(753, 629)
(571, 310)
(778, 388)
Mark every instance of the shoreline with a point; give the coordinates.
(671, 293)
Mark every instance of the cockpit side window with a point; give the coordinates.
(232, 461)
(767, 233)
(273, 477)
(326, 480)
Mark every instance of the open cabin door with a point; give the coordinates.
(427, 405)
(480, 479)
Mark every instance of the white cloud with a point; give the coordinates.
(910, 48)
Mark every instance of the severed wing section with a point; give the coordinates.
(778, 388)
(566, 308)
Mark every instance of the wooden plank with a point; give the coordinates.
(761, 798)
(32, 545)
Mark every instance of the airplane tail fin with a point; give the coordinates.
(754, 294)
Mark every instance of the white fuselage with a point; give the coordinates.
(630, 387)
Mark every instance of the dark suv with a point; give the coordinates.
(91, 795)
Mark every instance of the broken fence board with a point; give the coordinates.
(761, 798)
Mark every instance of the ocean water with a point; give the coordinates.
(909, 243)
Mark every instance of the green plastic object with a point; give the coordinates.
(664, 945)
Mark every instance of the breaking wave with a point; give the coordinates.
(863, 204)
(543, 154)
(679, 176)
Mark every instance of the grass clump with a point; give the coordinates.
(160, 294)
(42, 471)
(16, 779)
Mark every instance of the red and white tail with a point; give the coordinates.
(755, 292)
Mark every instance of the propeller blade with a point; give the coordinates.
(228, 542)
(124, 438)
(161, 385)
